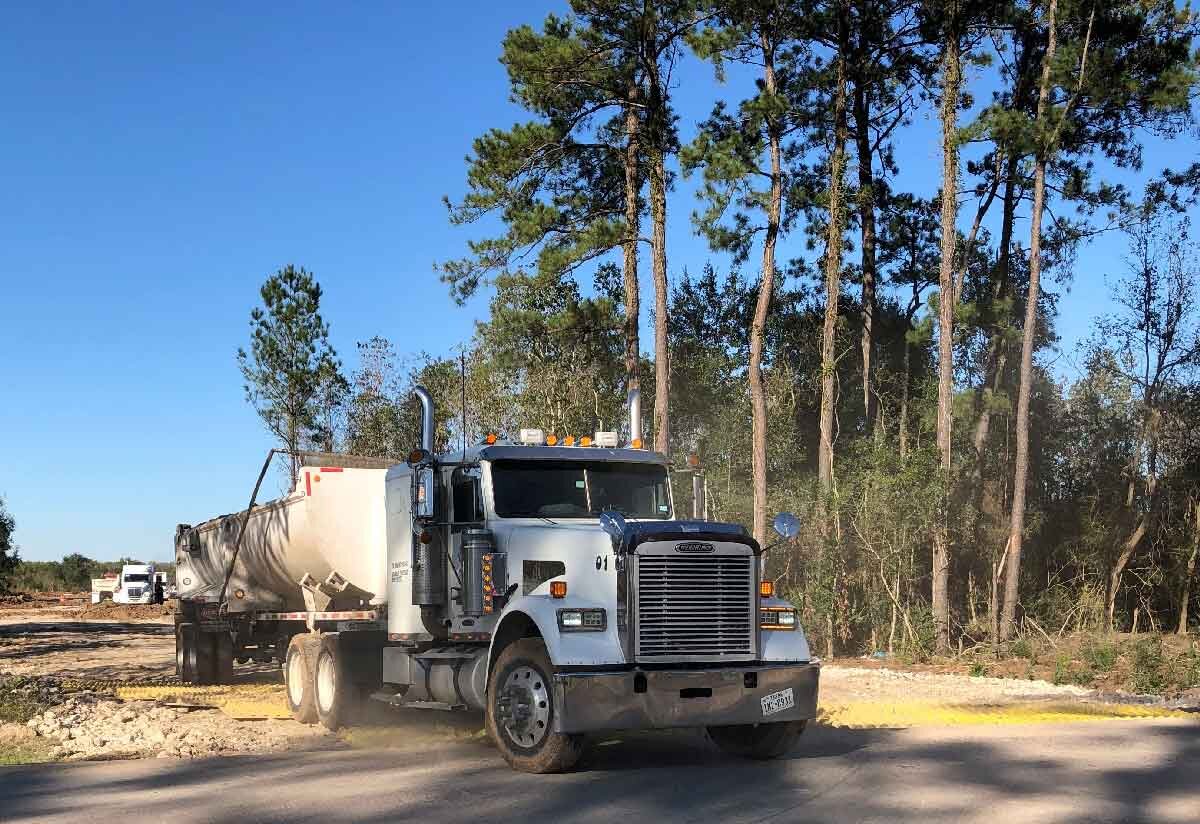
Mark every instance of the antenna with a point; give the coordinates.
(462, 366)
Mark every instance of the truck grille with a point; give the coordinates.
(695, 606)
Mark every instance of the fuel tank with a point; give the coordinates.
(330, 531)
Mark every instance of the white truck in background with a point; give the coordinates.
(544, 582)
(138, 584)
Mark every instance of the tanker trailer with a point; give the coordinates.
(315, 556)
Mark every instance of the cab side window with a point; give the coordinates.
(467, 495)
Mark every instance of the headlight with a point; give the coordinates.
(777, 618)
(582, 620)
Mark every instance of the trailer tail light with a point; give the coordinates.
(558, 589)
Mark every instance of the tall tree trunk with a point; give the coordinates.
(905, 378)
(1016, 529)
(766, 290)
(658, 247)
(951, 82)
(657, 122)
(632, 231)
(1190, 570)
(866, 219)
(833, 266)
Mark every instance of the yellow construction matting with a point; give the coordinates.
(917, 714)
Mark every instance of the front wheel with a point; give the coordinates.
(758, 741)
(521, 711)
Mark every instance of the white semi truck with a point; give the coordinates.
(136, 584)
(545, 583)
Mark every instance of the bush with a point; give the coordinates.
(1100, 656)
(1147, 674)
(1067, 671)
(1023, 648)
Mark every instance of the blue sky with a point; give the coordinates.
(160, 160)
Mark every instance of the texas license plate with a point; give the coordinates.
(778, 701)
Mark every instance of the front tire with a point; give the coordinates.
(521, 711)
(336, 693)
(760, 742)
(298, 675)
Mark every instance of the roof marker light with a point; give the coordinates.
(569, 440)
(551, 440)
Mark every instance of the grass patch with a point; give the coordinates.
(1148, 672)
(1101, 656)
(25, 751)
(1068, 671)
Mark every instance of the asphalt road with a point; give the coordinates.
(1094, 771)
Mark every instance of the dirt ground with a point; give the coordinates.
(131, 704)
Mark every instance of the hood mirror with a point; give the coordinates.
(613, 524)
(787, 525)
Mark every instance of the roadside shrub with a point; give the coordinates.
(1067, 671)
(1023, 648)
(1099, 655)
(1148, 673)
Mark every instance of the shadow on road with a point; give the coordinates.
(1060, 773)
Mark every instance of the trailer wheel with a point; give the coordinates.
(205, 647)
(337, 694)
(298, 672)
(760, 742)
(521, 711)
(223, 657)
(185, 653)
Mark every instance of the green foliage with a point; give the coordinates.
(1148, 673)
(1068, 671)
(290, 362)
(8, 550)
(1099, 655)
(1023, 648)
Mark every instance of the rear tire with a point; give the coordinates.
(760, 742)
(223, 655)
(185, 652)
(298, 671)
(521, 711)
(204, 656)
(336, 693)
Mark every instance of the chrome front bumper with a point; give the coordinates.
(658, 699)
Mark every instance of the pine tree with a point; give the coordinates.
(289, 357)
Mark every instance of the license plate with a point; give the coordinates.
(778, 701)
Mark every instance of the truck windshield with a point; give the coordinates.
(579, 489)
(137, 578)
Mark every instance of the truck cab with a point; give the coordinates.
(549, 583)
(136, 584)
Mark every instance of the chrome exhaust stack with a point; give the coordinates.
(426, 418)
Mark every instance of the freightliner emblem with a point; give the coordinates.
(694, 547)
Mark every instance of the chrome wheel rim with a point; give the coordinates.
(295, 679)
(523, 707)
(326, 683)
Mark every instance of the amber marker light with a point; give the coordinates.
(558, 589)
(569, 440)
(416, 456)
(490, 439)
(585, 441)
(551, 440)
(766, 589)
(637, 443)
(693, 461)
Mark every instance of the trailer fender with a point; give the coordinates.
(536, 615)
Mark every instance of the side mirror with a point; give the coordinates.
(423, 493)
(613, 524)
(786, 524)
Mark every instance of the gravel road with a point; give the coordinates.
(1112, 771)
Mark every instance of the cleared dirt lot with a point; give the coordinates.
(132, 705)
